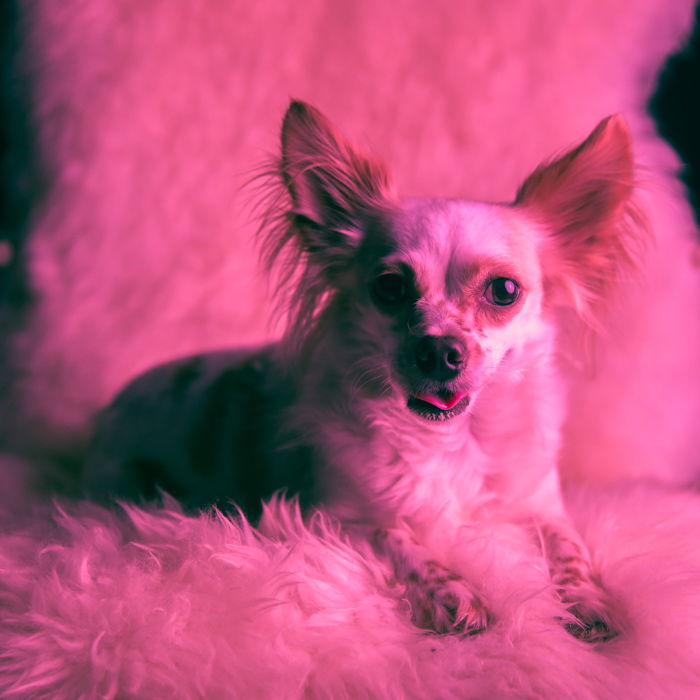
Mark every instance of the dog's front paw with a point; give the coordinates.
(587, 602)
(443, 602)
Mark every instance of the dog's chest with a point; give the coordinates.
(399, 473)
(401, 468)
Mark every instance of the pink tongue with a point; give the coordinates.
(449, 401)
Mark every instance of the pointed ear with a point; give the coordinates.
(583, 201)
(331, 183)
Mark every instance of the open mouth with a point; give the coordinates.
(440, 405)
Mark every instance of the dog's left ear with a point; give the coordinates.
(333, 186)
(583, 202)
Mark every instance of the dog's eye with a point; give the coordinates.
(502, 291)
(389, 288)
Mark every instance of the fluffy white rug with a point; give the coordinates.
(155, 604)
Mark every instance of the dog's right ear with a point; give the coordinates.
(333, 186)
(584, 201)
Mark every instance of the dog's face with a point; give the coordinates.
(447, 290)
(432, 297)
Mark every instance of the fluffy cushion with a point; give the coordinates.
(156, 604)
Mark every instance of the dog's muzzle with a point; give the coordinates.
(439, 360)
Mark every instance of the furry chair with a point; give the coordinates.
(150, 117)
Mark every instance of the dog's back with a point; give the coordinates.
(204, 429)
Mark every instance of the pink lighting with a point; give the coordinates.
(150, 120)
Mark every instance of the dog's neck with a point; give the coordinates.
(393, 463)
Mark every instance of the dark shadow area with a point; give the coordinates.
(20, 185)
(19, 175)
(676, 108)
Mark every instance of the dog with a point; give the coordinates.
(416, 387)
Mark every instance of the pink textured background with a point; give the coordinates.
(153, 115)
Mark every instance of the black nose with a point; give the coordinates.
(440, 357)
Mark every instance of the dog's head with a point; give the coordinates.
(427, 298)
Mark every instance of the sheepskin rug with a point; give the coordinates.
(136, 603)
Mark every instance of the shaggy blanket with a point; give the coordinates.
(155, 604)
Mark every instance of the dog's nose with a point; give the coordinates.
(440, 357)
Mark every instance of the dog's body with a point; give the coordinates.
(416, 388)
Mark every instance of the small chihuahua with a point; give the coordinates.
(415, 389)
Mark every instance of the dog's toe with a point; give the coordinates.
(475, 620)
(447, 607)
(591, 632)
(590, 625)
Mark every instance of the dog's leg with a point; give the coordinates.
(440, 600)
(576, 585)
